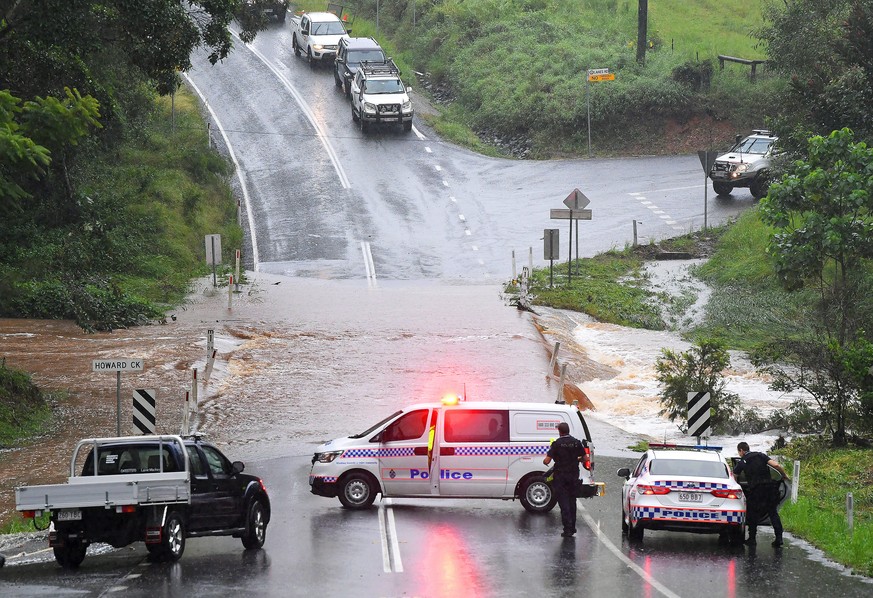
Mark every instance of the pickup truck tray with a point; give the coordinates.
(106, 491)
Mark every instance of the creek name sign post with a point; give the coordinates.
(117, 366)
(595, 75)
(576, 203)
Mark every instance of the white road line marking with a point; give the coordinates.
(240, 173)
(675, 189)
(623, 557)
(452, 197)
(428, 150)
(395, 545)
(664, 217)
(467, 231)
(475, 248)
(462, 217)
(438, 167)
(646, 203)
(445, 183)
(369, 266)
(658, 212)
(383, 536)
(418, 133)
(307, 111)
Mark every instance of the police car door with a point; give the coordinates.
(473, 452)
(403, 455)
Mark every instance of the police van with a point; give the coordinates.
(452, 449)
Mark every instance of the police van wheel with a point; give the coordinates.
(356, 491)
(536, 495)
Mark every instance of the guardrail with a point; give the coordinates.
(753, 63)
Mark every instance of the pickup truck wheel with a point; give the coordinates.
(309, 58)
(356, 491)
(536, 495)
(759, 186)
(407, 126)
(365, 126)
(294, 45)
(722, 188)
(336, 78)
(71, 554)
(281, 14)
(355, 117)
(173, 537)
(256, 525)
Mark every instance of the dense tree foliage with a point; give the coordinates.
(826, 47)
(822, 213)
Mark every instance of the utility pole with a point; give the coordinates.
(642, 25)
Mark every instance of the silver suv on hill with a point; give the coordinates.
(747, 164)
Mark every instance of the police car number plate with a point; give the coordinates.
(690, 497)
(69, 515)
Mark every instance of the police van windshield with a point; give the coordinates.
(378, 426)
(687, 467)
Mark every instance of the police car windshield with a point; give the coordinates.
(378, 426)
(689, 468)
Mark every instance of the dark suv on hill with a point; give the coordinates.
(351, 52)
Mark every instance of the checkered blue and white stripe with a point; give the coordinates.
(403, 451)
(679, 484)
(327, 479)
(684, 514)
(477, 451)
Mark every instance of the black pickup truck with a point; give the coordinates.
(158, 489)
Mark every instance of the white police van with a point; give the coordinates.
(452, 449)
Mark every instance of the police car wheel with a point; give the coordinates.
(634, 532)
(356, 491)
(536, 495)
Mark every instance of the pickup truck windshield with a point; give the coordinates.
(753, 146)
(375, 86)
(129, 459)
(332, 28)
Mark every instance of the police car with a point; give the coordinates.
(682, 488)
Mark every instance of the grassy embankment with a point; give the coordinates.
(136, 239)
(515, 70)
(746, 308)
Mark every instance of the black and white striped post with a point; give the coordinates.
(144, 402)
(698, 414)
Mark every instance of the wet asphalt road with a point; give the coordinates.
(314, 190)
(443, 548)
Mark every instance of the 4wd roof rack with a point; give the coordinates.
(699, 447)
(379, 68)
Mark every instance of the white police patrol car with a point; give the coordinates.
(453, 449)
(682, 488)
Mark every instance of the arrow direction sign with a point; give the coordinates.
(561, 214)
(577, 201)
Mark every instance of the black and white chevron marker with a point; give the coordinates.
(698, 414)
(144, 410)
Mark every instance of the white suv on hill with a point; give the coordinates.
(379, 96)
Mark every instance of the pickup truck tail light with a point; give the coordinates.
(125, 509)
(29, 514)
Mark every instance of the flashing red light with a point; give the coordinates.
(646, 489)
(727, 493)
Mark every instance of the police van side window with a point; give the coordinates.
(410, 426)
(465, 425)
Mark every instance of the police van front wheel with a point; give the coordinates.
(536, 495)
(357, 491)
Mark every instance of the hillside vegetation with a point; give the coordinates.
(515, 70)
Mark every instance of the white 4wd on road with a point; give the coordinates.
(747, 164)
(316, 35)
(379, 96)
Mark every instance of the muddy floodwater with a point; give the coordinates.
(300, 361)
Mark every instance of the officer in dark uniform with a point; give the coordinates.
(567, 452)
(762, 497)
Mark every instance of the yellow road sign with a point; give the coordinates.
(602, 77)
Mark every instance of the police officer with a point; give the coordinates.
(567, 452)
(761, 494)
